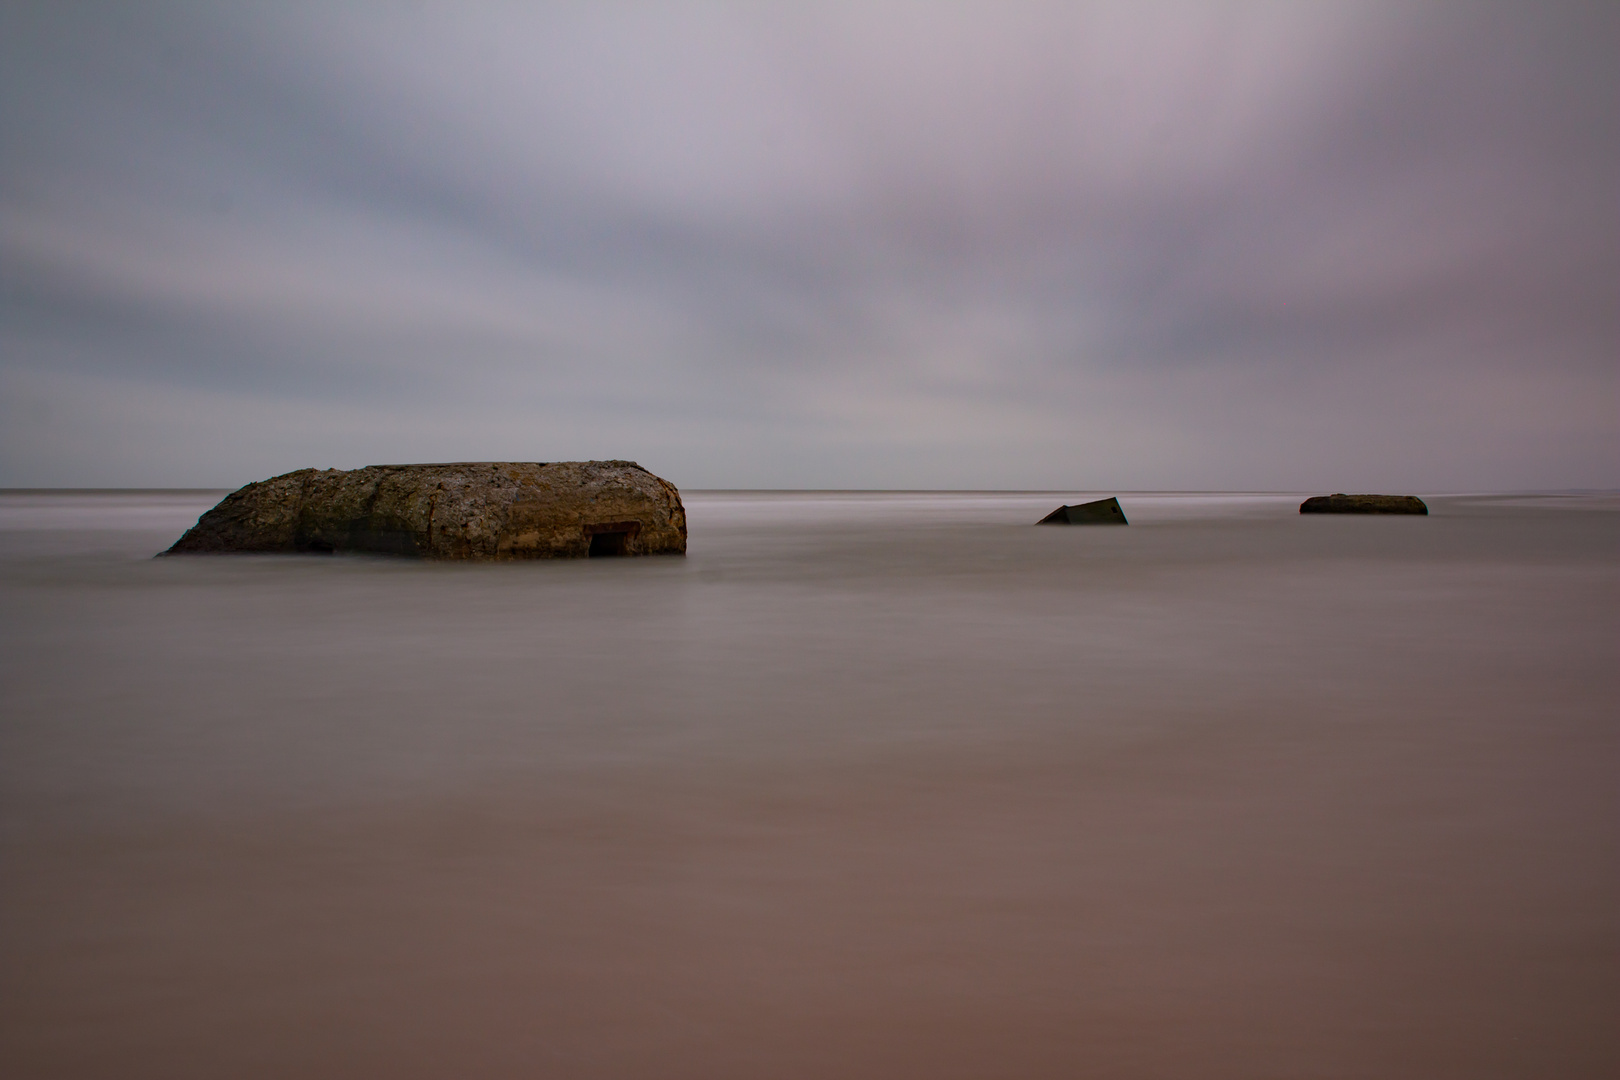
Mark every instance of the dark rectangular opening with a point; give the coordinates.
(609, 538)
(607, 544)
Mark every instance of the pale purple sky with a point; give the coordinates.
(1324, 246)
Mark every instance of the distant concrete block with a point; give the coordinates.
(1101, 512)
(1363, 504)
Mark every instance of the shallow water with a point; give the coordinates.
(866, 785)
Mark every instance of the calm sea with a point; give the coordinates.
(866, 785)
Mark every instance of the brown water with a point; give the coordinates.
(866, 786)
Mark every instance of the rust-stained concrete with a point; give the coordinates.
(471, 510)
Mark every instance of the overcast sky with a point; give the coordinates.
(1119, 246)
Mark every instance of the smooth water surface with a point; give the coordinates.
(866, 785)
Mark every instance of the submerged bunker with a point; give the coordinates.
(480, 511)
(1341, 503)
(1100, 512)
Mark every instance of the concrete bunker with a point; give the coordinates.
(476, 511)
(1101, 512)
(1340, 503)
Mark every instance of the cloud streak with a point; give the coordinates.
(1247, 245)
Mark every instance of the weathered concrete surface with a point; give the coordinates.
(473, 510)
(1363, 504)
(1101, 512)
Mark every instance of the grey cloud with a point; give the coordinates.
(901, 245)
